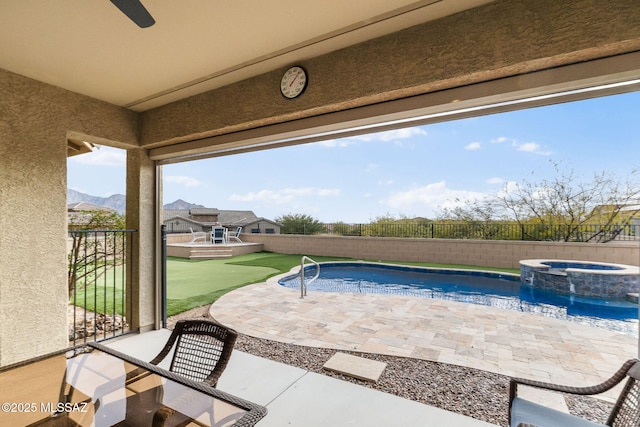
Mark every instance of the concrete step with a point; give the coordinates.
(210, 253)
(210, 256)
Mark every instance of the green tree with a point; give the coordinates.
(343, 229)
(560, 207)
(92, 254)
(477, 219)
(390, 226)
(566, 203)
(300, 224)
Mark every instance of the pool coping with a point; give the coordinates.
(442, 270)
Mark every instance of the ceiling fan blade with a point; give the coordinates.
(135, 11)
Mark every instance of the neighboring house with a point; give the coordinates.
(628, 213)
(81, 213)
(262, 225)
(197, 219)
(623, 212)
(202, 219)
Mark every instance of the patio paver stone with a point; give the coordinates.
(494, 339)
(354, 366)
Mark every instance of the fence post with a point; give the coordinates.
(163, 274)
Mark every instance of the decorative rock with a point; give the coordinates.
(95, 324)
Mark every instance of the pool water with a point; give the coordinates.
(475, 287)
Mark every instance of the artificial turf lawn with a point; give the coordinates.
(194, 283)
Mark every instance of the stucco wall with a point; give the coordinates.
(487, 253)
(34, 121)
(141, 216)
(500, 39)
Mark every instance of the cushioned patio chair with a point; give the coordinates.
(202, 350)
(217, 235)
(197, 235)
(626, 411)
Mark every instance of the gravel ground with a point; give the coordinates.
(472, 392)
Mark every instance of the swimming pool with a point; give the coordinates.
(476, 287)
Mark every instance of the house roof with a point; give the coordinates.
(621, 207)
(204, 211)
(257, 220)
(189, 220)
(228, 218)
(237, 218)
(84, 206)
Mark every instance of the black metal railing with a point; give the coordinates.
(99, 278)
(478, 231)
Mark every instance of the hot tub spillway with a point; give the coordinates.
(599, 280)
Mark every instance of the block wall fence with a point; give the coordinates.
(487, 253)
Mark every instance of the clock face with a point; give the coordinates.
(293, 82)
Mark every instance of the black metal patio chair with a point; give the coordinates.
(202, 350)
(625, 413)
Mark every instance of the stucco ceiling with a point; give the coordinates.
(90, 47)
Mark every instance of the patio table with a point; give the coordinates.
(93, 385)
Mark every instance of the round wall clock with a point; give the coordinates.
(293, 83)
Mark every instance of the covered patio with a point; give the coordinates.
(294, 396)
(205, 81)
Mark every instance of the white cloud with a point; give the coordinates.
(393, 135)
(187, 181)
(397, 136)
(530, 147)
(430, 198)
(341, 143)
(102, 156)
(500, 140)
(286, 195)
(472, 146)
(508, 188)
(527, 147)
(495, 180)
(327, 192)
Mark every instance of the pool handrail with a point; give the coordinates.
(303, 285)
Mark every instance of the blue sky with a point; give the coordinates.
(415, 171)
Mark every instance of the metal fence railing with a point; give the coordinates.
(476, 230)
(99, 274)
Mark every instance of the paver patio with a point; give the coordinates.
(492, 339)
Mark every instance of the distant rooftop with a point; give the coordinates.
(84, 206)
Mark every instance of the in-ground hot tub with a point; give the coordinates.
(594, 279)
